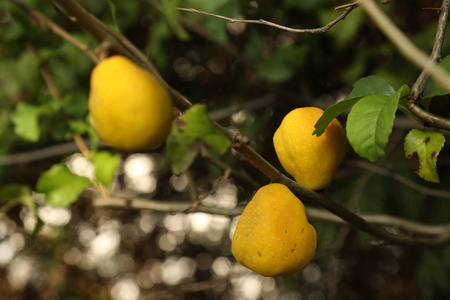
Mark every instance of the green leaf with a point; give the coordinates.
(189, 133)
(370, 123)
(426, 144)
(25, 119)
(432, 88)
(113, 10)
(105, 166)
(367, 86)
(282, 65)
(332, 112)
(169, 8)
(61, 186)
(14, 194)
(402, 106)
(370, 86)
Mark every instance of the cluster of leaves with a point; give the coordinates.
(374, 103)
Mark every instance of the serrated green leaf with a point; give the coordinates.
(370, 86)
(188, 134)
(105, 166)
(367, 86)
(432, 88)
(61, 186)
(25, 119)
(169, 8)
(370, 123)
(426, 144)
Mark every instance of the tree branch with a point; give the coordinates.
(416, 56)
(402, 179)
(433, 234)
(428, 118)
(323, 29)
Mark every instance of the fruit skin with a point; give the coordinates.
(130, 108)
(310, 159)
(273, 235)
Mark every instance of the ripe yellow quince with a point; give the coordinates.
(273, 235)
(131, 110)
(310, 159)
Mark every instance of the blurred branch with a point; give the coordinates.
(221, 114)
(239, 173)
(415, 55)
(436, 234)
(49, 25)
(31, 156)
(240, 143)
(271, 24)
(409, 183)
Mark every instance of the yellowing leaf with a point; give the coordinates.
(426, 144)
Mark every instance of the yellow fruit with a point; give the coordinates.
(130, 108)
(273, 235)
(310, 159)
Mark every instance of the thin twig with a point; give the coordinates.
(192, 187)
(356, 3)
(415, 55)
(225, 176)
(238, 173)
(417, 88)
(271, 24)
(402, 179)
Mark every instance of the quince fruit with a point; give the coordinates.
(131, 110)
(273, 235)
(310, 159)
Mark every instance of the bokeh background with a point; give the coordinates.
(249, 76)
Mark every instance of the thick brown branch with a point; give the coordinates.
(271, 24)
